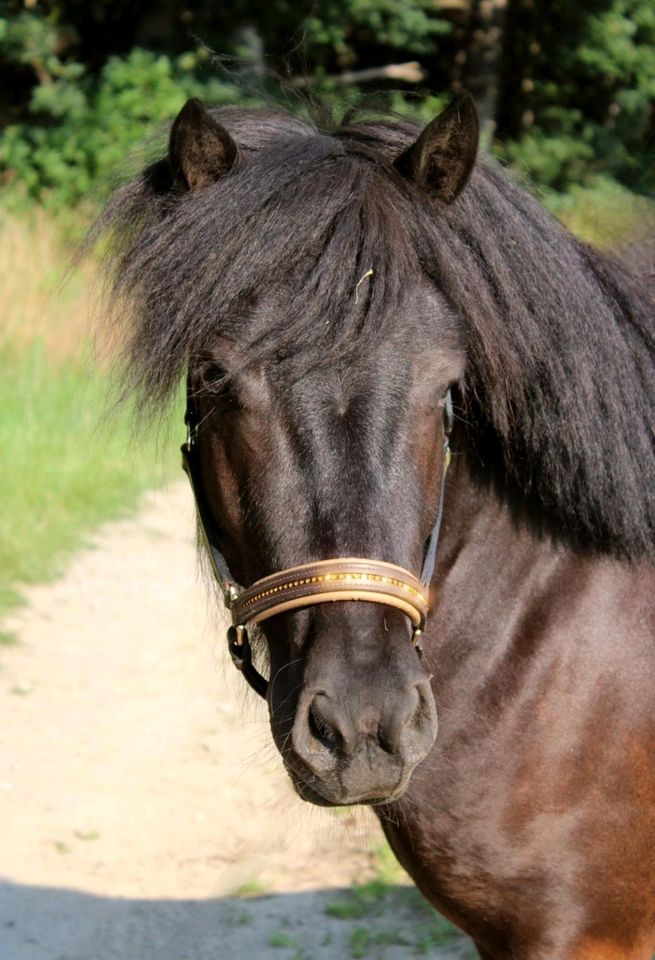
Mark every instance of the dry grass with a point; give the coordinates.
(43, 298)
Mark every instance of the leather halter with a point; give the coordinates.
(342, 578)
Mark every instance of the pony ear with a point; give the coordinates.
(200, 149)
(442, 158)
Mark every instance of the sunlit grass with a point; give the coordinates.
(69, 459)
(604, 213)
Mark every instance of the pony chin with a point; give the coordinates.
(333, 795)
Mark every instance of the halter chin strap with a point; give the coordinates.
(342, 578)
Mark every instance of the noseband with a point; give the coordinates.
(343, 578)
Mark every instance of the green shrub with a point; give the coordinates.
(81, 128)
(553, 162)
(407, 29)
(578, 91)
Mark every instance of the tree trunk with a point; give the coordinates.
(526, 28)
(481, 56)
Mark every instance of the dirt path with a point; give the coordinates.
(140, 796)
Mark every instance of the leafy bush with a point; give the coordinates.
(576, 79)
(81, 128)
(78, 119)
(555, 162)
(410, 29)
(578, 92)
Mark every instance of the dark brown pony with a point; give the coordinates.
(323, 291)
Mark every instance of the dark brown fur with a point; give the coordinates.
(532, 822)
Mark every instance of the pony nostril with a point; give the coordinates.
(322, 731)
(315, 737)
(404, 716)
(327, 735)
(419, 729)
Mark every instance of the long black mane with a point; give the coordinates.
(556, 407)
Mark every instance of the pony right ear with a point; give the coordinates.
(442, 158)
(200, 150)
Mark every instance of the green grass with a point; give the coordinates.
(239, 918)
(417, 925)
(7, 637)
(281, 939)
(603, 213)
(250, 888)
(69, 464)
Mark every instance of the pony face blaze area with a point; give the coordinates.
(318, 440)
(345, 461)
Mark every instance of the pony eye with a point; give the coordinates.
(441, 395)
(212, 378)
(215, 383)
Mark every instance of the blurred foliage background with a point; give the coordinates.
(565, 89)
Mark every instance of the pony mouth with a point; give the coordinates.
(311, 793)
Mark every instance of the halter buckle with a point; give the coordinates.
(238, 645)
(241, 654)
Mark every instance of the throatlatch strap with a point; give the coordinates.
(431, 553)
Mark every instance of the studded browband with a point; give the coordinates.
(323, 581)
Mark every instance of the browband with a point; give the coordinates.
(323, 581)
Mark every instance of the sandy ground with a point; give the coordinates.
(141, 797)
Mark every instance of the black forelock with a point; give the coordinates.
(305, 213)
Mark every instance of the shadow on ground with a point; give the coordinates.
(40, 923)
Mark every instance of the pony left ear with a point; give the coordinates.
(200, 149)
(442, 158)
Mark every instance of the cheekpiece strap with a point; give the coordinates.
(227, 585)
